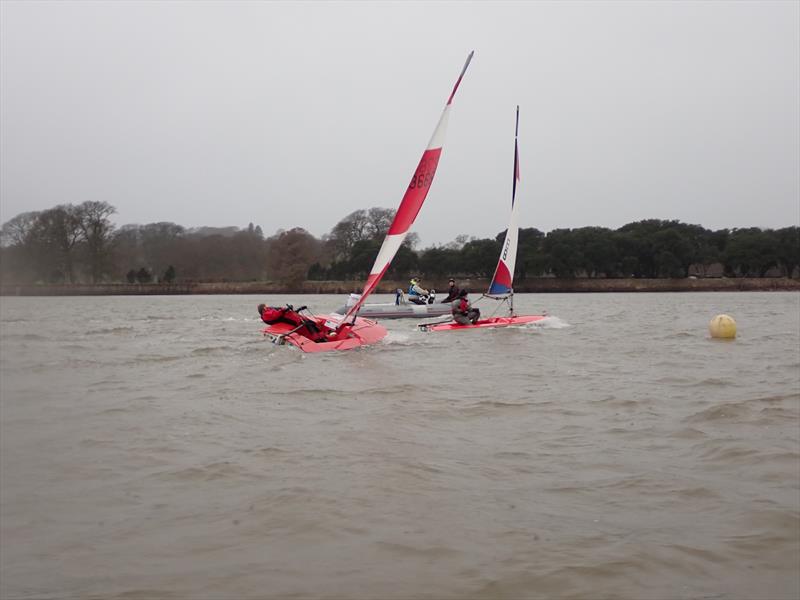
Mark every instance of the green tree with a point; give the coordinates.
(479, 257)
(362, 257)
(404, 264)
(598, 250)
(316, 272)
(673, 253)
(751, 252)
(169, 275)
(144, 276)
(440, 261)
(564, 257)
(788, 248)
(530, 257)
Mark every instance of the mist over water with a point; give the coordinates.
(161, 447)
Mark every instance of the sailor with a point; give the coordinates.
(463, 313)
(304, 326)
(452, 291)
(417, 294)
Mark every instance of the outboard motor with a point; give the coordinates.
(399, 297)
(431, 296)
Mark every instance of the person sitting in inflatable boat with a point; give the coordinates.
(304, 326)
(419, 295)
(452, 291)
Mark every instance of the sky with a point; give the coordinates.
(297, 114)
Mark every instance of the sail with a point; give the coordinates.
(502, 282)
(411, 203)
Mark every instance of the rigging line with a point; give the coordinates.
(501, 302)
(313, 316)
(282, 336)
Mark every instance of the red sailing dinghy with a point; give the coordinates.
(350, 331)
(501, 287)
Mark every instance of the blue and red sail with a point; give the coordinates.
(503, 280)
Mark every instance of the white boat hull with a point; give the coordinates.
(400, 311)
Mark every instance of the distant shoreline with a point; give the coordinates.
(538, 285)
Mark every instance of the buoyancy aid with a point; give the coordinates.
(461, 306)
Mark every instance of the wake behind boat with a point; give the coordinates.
(501, 288)
(311, 333)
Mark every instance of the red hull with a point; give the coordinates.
(363, 333)
(491, 322)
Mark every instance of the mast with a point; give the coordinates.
(411, 203)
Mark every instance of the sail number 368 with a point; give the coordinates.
(422, 179)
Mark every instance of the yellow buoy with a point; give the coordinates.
(722, 326)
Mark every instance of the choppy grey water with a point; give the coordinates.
(160, 447)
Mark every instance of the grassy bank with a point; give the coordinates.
(544, 285)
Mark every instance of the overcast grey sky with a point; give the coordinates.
(296, 114)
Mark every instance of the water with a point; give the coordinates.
(159, 447)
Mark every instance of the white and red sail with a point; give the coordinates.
(503, 280)
(411, 203)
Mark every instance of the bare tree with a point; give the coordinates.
(460, 241)
(56, 233)
(97, 232)
(379, 220)
(159, 242)
(355, 227)
(291, 253)
(17, 231)
(412, 240)
(19, 261)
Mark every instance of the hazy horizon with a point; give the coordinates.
(297, 114)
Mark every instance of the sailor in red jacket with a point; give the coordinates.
(306, 327)
(463, 313)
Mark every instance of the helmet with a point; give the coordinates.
(463, 293)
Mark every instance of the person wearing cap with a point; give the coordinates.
(452, 291)
(416, 293)
(463, 313)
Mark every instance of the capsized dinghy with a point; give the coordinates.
(500, 289)
(361, 333)
(350, 331)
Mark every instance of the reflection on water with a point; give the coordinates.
(160, 447)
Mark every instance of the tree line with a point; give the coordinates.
(79, 244)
